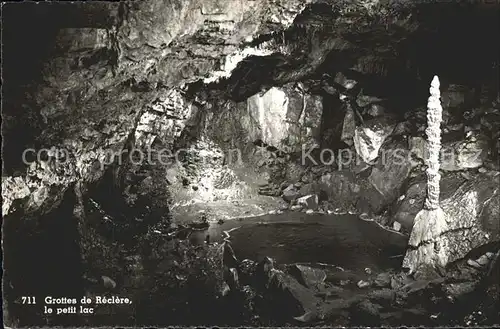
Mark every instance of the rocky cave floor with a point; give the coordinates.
(289, 77)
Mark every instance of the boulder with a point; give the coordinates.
(306, 275)
(396, 226)
(468, 153)
(342, 80)
(286, 294)
(483, 260)
(108, 283)
(383, 280)
(369, 137)
(309, 201)
(387, 177)
(363, 284)
(290, 193)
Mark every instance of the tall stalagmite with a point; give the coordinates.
(433, 132)
(425, 249)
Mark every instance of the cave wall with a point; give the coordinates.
(94, 87)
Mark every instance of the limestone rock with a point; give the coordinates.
(364, 100)
(491, 211)
(309, 201)
(483, 260)
(308, 276)
(285, 118)
(474, 264)
(363, 284)
(388, 176)
(165, 119)
(342, 80)
(288, 294)
(290, 193)
(107, 282)
(396, 226)
(461, 289)
(13, 188)
(348, 127)
(465, 154)
(402, 128)
(383, 280)
(375, 110)
(341, 187)
(369, 137)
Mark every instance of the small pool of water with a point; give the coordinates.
(341, 240)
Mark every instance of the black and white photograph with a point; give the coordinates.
(250, 163)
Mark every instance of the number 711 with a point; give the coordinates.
(28, 300)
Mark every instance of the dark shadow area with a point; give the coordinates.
(109, 214)
(41, 258)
